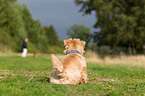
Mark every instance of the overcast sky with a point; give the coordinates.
(62, 14)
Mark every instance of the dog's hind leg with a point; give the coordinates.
(56, 63)
(84, 75)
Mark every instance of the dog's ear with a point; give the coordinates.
(83, 43)
(67, 41)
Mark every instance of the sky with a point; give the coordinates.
(62, 14)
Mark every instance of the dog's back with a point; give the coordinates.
(73, 64)
(73, 61)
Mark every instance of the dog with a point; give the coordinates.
(72, 68)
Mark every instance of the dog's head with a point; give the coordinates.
(74, 44)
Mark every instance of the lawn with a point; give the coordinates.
(30, 77)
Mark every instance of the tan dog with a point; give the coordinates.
(72, 68)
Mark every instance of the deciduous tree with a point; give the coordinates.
(121, 21)
(80, 31)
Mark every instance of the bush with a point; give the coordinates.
(55, 49)
(6, 42)
(32, 48)
(106, 50)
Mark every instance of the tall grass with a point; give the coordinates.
(132, 60)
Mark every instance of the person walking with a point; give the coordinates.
(24, 46)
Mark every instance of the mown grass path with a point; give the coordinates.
(110, 80)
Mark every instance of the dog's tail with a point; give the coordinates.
(56, 63)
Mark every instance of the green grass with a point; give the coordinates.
(106, 80)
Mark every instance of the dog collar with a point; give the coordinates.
(74, 51)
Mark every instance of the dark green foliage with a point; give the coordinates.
(80, 31)
(17, 23)
(55, 45)
(121, 22)
(3, 19)
(12, 23)
(27, 17)
(34, 31)
(51, 35)
(5, 43)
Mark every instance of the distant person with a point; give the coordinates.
(24, 46)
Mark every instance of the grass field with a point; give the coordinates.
(30, 77)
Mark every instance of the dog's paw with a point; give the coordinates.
(84, 81)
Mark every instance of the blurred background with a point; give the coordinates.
(112, 27)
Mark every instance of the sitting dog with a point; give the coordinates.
(72, 68)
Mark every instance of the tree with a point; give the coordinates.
(16, 24)
(80, 31)
(121, 21)
(12, 24)
(3, 19)
(34, 31)
(28, 20)
(55, 45)
(38, 37)
(51, 35)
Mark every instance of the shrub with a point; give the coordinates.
(55, 49)
(32, 48)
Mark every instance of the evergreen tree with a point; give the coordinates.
(40, 37)
(12, 23)
(3, 19)
(28, 21)
(55, 46)
(34, 30)
(16, 25)
(51, 35)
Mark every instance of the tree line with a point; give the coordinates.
(17, 23)
(121, 22)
